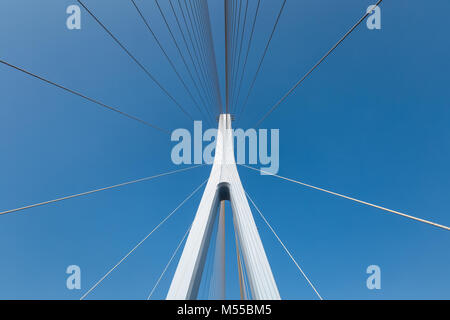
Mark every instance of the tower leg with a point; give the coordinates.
(223, 184)
(217, 286)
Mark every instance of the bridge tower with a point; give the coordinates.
(223, 184)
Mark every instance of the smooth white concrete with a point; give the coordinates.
(223, 184)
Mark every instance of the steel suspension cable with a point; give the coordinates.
(276, 105)
(193, 42)
(196, 35)
(234, 48)
(101, 104)
(188, 17)
(140, 65)
(284, 247)
(240, 52)
(212, 55)
(172, 65)
(203, 96)
(214, 58)
(141, 242)
(227, 54)
(352, 199)
(236, 100)
(232, 26)
(197, 69)
(97, 190)
(202, 46)
(262, 58)
(169, 263)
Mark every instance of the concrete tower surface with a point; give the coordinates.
(223, 184)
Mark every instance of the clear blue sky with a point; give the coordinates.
(372, 122)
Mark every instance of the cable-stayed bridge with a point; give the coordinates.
(189, 26)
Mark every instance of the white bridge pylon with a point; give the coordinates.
(223, 184)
